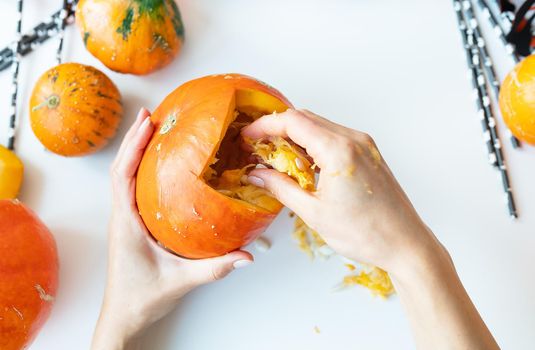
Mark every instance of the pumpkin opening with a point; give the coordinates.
(227, 172)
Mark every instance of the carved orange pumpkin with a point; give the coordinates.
(75, 109)
(28, 275)
(190, 186)
(131, 36)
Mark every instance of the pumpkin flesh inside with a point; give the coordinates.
(236, 157)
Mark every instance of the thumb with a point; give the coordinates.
(212, 269)
(283, 187)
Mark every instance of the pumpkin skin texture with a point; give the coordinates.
(28, 275)
(75, 109)
(178, 207)
(517, 100)
(11, 173)
(131, 36)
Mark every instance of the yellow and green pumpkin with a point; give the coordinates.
(131, 36)
(75, 109)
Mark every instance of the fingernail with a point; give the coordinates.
(241, 263)
(256, 181)
(145, 122)
(141, 112)
(260, 166)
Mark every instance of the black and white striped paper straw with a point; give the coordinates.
(495, 22)
(478, 84)
(504, 19)
(483, 101)
(61, 22)
(15, 84)
(30, 41)
(500, 32)
(487, 64)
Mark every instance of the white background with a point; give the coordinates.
(392, 68)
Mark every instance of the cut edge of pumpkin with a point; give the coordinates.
(248, 105)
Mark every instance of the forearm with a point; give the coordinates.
(440, 312)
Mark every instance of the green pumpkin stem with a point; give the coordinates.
(51, 102)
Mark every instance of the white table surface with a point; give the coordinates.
(392, 68)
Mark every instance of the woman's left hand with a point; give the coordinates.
(144, 282)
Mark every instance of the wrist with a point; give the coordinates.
(114, 331)
(425, 264)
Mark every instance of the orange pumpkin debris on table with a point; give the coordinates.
(11, 172)
(131, 36)
(191, 190)
(28, 275)
(517, 100)
(75, 109)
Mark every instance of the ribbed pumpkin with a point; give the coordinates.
(517, 100)
(131, 36)
(28, 275)
(190, 189)
(75, 109)
(11, 171)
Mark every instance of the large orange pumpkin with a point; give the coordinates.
(191, 190)
(11, 171)
(75, 109)
(28, 275)
(131, 36)
(517, 100)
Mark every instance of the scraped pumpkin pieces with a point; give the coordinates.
(371, 277)
(228, 171)
(286, 158)
(375, 279)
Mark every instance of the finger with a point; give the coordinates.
(305, 130)
(326, 123)
(141, 116)
(284, 188)
(212, 269)
(128, 163)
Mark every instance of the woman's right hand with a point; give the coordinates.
(361, 211)
(359, 208)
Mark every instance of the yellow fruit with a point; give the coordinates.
(517, 100)
(11, 170)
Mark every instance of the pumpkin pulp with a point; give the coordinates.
(228, 170)
(236, 157)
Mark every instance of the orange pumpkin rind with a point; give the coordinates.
(29, 271)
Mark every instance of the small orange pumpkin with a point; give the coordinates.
(517, 100)
(75, 109)
(28, 275)
(131, 36)
(190, 189)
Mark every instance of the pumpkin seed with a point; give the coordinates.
(262, 244)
